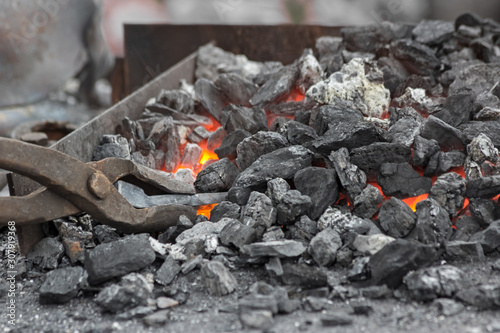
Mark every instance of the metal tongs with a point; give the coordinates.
(73, 186)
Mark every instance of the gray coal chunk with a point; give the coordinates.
(448, 307)
(112, 146)
(282, 163)
(292, 205)
(473, 128)
(485, 210)
(366, 203)
(489, 238)
(433, 32)
(167, 271)
(211, 98)
(126, 255)
(396, 114)
(191, 156)
(368, 38)
(423, 149)
(212, 61)
(395, 73)
(433, 222)
(273, 233)
(337, 318)
(449, 191)
(345, 134)
(482, 149)
(396, 218)
(277, 87)
(191, 264)
(215, 139)
(303, 230)
(237, 89)
(404, 131)
(389, 265)
(370, 158)
(239, 195)
(441, 162)
(131, 130)
(298, 133)
(261, 143)
(371, 244)
(458, 109)
(332, 114)
(402, 181)
(46, 254)
(225, 209)
(320, 185)
(310, 71)
(351, 177)
(466, 227)
(217, 279)
(462, 249)
(478, 78)
(177, 99)
(230, 142)
(430, 283)
(487, 113)
(304, 276)
(447, 136)
(276, 189)
(280, 294)
(257, 301)
(251, 120)
(483, 296)
(217, 177)
(358, 270)
(283, 249)
(324, 246)
(198, 134)
(273, 267)
(237, 234)
(417, 58)
(257, 319)
(345, 223)
(105, 234)
(330, 53)
(291, 108)
(133, 290)
(156, 319)
(259, 213)
(61, 285)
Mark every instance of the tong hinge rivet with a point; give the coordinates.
(98, 184)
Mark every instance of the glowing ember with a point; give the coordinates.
(413, 201)
(295, 96)
(205, 210)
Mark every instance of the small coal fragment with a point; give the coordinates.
(112, 146)
(366, 203)
(370, 158)
(239, 195)
(273, 267)
(259, 301)
(133, 290)
(74, 240)
(324, 246)
(109, 260)
(251, 120)
(485, 210)
(397, 114)
(237, 234)
(259, 213)
(225, 209)
(330, 55)
(277, 87)
(345, 222)
(458, 109)
(368, 38)
(178, 100)
(304, 276)
(461, 249)
(190, 265)
(474, 128)
(198, 134)
(202, 237)
(191, 156)
(273, 233)
(298, 133)
(283, 248)
(229, 144)
(478, 78)
(167, 271)
(466, 227)
(448, 307)
(449, 191)
(276, 189)
(320, 185)
(389, 265)
(396, 218)
(217, 279)
(395, 73)
(303, 230)
(433, 32)
(257, 319)
(489, 238)
(441, 162)
(105, 234)
(447, 136)
(433, 222)
(310, 71)
(217, 177)
(430, 283)
(292, 205)
(331, 114)
(46, 254)
(417, 58)
(371, 244)
(216, 138)
(158, 318)
(261, 143)
(483, 296)
(482, 149)
(211, 98)
(404, 131)
(352, 178)
(338, 318)
(376, 292)
(237, 89)
(402, 181)
(282, 163)
(61, 285)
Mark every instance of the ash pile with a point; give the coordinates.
(367, 169)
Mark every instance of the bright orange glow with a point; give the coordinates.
(214, 125)
(496, 198)
(205, 210)
(295, 96)
(413, 201)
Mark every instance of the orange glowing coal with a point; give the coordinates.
(205, 210)
(295, 96)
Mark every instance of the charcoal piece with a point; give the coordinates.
(389, 265)
(212, 61)
(211, 98)
(466, 227)
(185, 176)
(109, 260)
(396, 114)
(292, 205)
(273, 267)
(468, 19)
(485, 210)
(489, 238)
(487, 114)
(283, 248)
(332, 114)
(472, 170)
(449, 191)
(290, 108)
(258, 301)
(368, 38)
(430, 283)
(433, 222)
(166, 302)
(283, 163)
(316, 304)
(310, 71)
(162, 129)
(217, 279)
(351, 177)
(237, 89)
(46, 254)
(74, 240)
(229, 144)
(461, 249)
(401, 180)
(303, 230)
(433, 32)
(259, 213)
(345, 134)
(478, 78)
(239, 195)
(273, 233)
(298, 133)
(395, 73)
(147, 161)
(371, 244)
(131, 130)
(324, 246)
(320, 185)
(482, 149)
(190, 265)
(330, 53)
(337, 318)
(237, 234)
(417, 58)
(484, 296)
(105, 234)
(167, 271)
(217, 177)
(447, 136)
(257, 319)
(225, 209)
(366, 203)
(251, 120)
(215, 139)
(276, 189)
(441, 162)
(474, 128)
(277, 87)
(396, 218)
(345, 223)
(358, 270)
(261, 143)
(448, 307)
(376, 292)
(61, 285)
(177, 99)
(191, 156)
(304, 276)
(157, 318)
(112, 146)
(370, 158)
(458, 109)
(133, 290)
(404, 131)
(198, 134)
